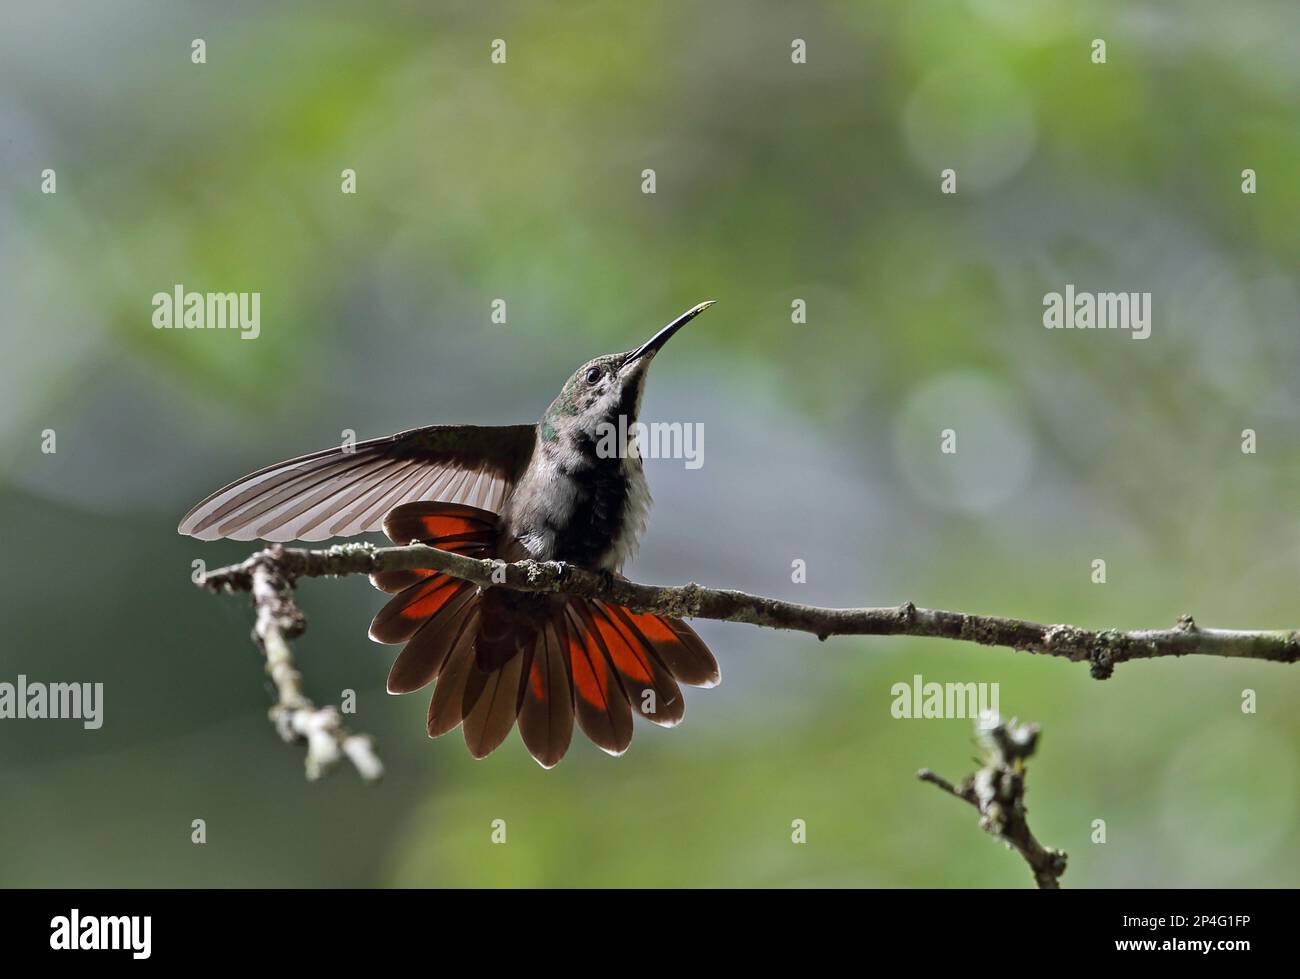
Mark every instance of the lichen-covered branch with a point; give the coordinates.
(270, 575)
(1101, 649)
(295, 717)
(997, 790)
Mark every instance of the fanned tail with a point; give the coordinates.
(499, 656)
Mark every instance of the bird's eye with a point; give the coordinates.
(593, 375)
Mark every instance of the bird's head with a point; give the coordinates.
(607, 388)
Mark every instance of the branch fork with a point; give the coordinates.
(997, 791)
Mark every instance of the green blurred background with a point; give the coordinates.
(775, 181)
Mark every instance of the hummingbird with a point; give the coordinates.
(553, 491)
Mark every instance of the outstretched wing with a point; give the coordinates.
(338, 493)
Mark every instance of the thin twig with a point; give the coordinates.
(270, 576)
(1101, 649)
(997, 790)
(295, 717)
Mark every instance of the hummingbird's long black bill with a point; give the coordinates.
(652, 345)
